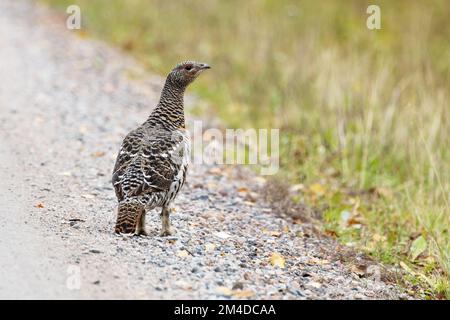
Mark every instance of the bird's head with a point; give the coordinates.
(186, 72)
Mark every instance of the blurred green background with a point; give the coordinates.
(364, 114)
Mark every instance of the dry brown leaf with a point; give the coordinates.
(360, 270)
(39, 205)
(277, 260)
(353, 221)
(331, 233)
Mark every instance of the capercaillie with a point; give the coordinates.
(153, 159)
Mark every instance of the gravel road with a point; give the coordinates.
(66, 102)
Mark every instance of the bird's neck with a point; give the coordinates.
(169, 112)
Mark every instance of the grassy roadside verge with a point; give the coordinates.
(364, 115)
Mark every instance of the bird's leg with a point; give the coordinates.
(166, 228)
(140, 230)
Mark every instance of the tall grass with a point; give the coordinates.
(358, 109)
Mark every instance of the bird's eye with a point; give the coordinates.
(188, 67)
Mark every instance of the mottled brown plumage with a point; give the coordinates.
(153, 159)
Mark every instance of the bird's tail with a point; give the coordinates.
(128, 215)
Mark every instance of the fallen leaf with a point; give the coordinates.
(39, 205)
(243, 189)
(354, 222)
(277, 260)
(350, 219)
(418, 246)
(331, 233)
(360, 270)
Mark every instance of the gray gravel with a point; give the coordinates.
(66, 103)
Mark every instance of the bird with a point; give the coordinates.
(153, 159)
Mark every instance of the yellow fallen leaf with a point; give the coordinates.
(277, 260)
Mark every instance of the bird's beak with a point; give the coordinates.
(204, 66)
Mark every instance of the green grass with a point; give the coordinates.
(364, 114)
